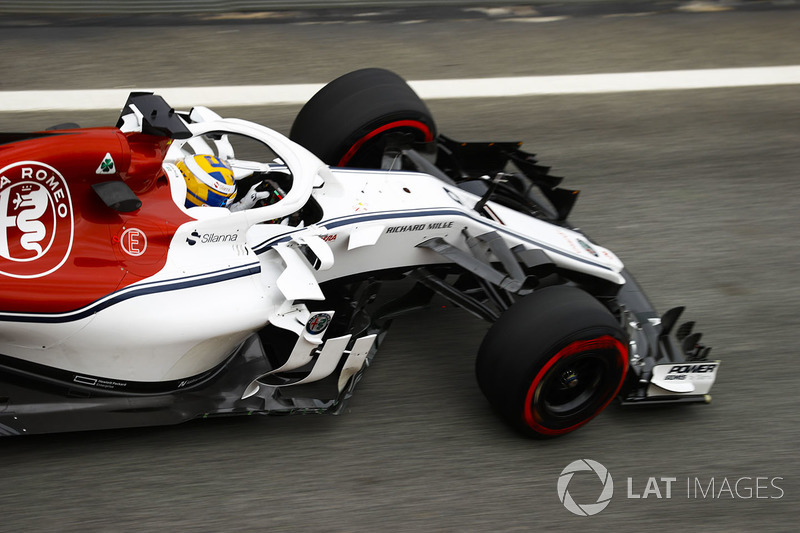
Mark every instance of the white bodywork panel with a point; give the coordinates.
(695, 378)
(213, 293)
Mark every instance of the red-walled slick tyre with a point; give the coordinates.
(553, 361)
(347, 122)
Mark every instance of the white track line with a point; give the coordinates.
(259, 95)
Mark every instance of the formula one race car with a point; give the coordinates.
(131, 295)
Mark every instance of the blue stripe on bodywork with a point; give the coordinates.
(384, 215)
(134, 292)
(354, 219)
(229, 274)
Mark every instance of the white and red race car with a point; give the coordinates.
(120, 306)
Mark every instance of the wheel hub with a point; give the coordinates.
(569, 379)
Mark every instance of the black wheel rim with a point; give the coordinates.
(575, 385)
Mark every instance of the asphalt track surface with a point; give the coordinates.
(696, 190)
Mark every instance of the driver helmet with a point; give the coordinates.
(209, 181)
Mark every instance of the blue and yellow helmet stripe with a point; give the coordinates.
(209, 181)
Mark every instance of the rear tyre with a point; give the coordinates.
(348, 122)
(553, 361)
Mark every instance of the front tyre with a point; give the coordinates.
(553, 361)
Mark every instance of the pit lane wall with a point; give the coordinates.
(73, 7)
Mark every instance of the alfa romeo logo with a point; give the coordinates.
(36, 221)
(587, 509)
(317, 323)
